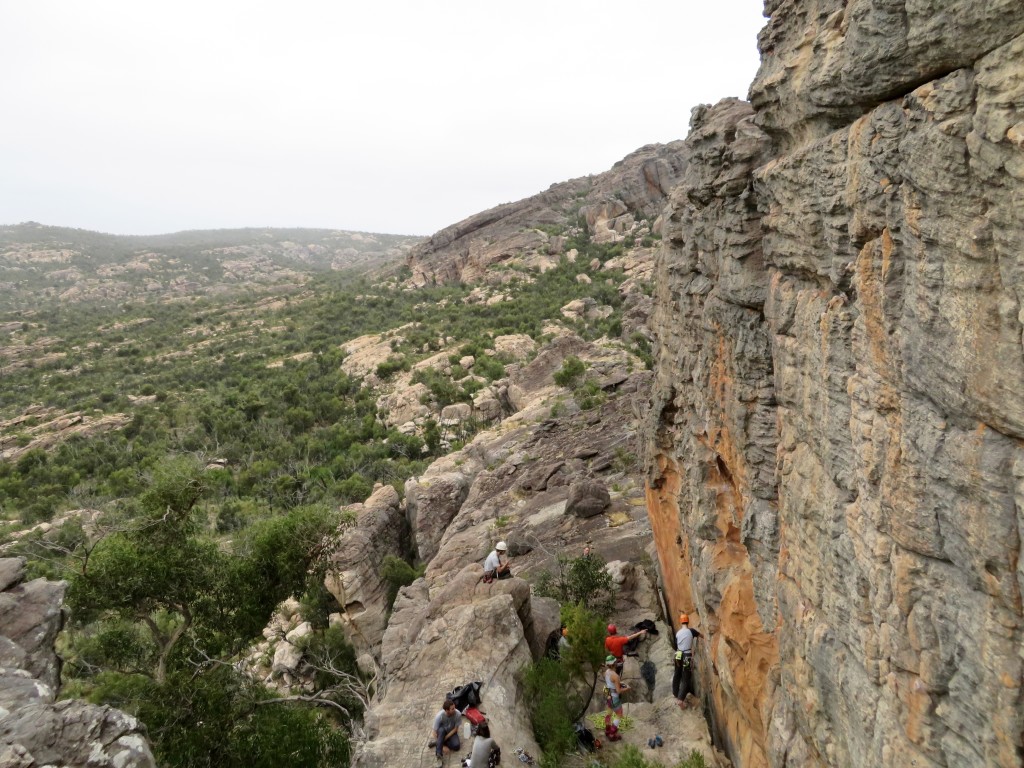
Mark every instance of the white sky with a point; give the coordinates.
(397, 116)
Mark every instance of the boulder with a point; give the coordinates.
(516, 346)
(404, 404)
(35, 729)
(456, 413)
(432, 501)
(287, 658)
(587, 498)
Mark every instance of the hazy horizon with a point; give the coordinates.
(400, 118)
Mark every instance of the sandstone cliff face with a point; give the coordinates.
(835, 451)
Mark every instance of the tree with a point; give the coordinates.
(560, 691)
(164, 574)
(155, 573)
(579, 580)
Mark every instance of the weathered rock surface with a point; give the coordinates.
(513, 483)
(587, 498)
(612, 204)
(35, 729)
(354, 575)
(836, 446)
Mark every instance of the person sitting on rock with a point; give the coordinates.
(483, 748)
(446, 730)
(615, 644)
(496, 566)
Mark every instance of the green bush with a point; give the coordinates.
(220, 719)
(545, 684)
(391, 366)
(579, 581)
(571, 372)
(559, 692)
(589, 395)
(397, 574)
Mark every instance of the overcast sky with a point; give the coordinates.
(137, 117)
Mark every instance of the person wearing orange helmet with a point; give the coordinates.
(682, 678)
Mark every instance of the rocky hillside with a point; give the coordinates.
(824, 468)
(621, 205)
(834, 451)
(40, 264)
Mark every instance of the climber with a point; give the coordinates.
(446, 730)
(615, 644)
(682, 678)
(613, 690)
(496, 566)
(557, 642)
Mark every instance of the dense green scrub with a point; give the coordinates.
(215, 500)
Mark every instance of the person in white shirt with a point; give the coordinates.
(682, 679)
(480, 757)
(496, 566)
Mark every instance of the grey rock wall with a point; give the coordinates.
(835, 453)
(35, 729)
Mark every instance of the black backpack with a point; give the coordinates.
(467, 695)
(584, 737)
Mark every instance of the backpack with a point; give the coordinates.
(495, 757)
(467, 695)
(584, 737)
(647, 624)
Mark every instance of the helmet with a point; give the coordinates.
(612, 629)
(501, 546)
(684, 619)
(610, 660)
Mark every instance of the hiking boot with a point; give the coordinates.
(651, 743)
(658, 741)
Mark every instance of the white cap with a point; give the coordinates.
(501, 546)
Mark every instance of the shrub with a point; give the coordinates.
(632, 757)
(391, 366)
(579, 581)
(397, 573)
(572, 371)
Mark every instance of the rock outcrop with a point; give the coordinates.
(36, 730)
(835, 449)
(612, 204)
(354, 578)
(516, 482)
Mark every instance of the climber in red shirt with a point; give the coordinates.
(615, 644)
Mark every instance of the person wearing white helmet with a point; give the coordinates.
(496, 566)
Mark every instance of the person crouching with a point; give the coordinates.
(496, 566)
